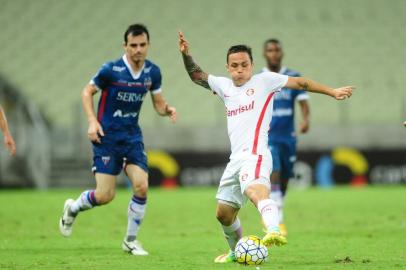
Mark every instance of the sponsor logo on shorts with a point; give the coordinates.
(106, 160)
(244, 177)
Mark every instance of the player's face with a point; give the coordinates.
(136, 47)
(273, 54)
(240, 67)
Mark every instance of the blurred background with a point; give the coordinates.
(51, 49)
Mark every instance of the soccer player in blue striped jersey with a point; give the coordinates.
(282, 135)
(115, 134)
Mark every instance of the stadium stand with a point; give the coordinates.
(50, 50)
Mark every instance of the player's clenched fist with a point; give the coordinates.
(95, 131)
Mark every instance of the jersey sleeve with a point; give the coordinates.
(274, 81)
(156, 78)
(217, 85)
(102, 78)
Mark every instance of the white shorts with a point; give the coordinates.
(239, 174)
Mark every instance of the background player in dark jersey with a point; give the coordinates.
(8, 139)
(282, 136)
(115, 133)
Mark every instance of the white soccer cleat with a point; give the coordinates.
(134, 247)
(66, 221)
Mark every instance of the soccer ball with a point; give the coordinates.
(250, 250)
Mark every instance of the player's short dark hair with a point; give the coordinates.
(240, 48)
(274, 41)
(136, 30)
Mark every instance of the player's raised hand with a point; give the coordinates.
(95, 131)
(10, 144)
(171, 112)
(183, 44)
(343, 92)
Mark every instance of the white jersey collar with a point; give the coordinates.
(133, 74)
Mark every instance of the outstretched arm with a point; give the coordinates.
(8, 139)
(301, 83)
(196, 74)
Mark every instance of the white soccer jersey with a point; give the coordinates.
(249, 110)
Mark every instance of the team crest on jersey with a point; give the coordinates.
(106, 160)
(148, 82)
(118, 69)
(250, 92)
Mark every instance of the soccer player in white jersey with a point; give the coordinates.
(8, 138)
(248, 101)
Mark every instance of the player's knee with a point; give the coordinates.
(251, 193)
(141, 189)
(257, 193)
(105, 197)
(224, 218)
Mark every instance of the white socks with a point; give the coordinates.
(86, 200)
(278, 198)
(136, 212)
(233, 233)
(269, 212)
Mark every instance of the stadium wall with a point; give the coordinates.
(338, 166)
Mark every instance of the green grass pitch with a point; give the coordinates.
(367, 225)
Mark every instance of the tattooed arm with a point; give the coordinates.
(196, 74)
(301, 83)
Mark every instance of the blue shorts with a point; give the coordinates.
(284, 157)
(111, 155)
